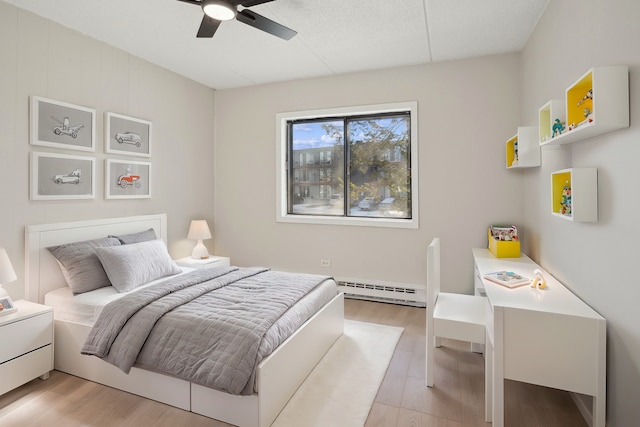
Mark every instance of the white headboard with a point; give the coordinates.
(42, 273)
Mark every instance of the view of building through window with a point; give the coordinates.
(355, 166)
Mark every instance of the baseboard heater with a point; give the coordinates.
(371, 290)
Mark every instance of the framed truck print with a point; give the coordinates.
(127, 179)
(61, 177)
(127, 135)
(62, 125)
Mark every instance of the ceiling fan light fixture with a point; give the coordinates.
(218, 9)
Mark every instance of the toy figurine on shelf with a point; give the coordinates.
(588, 115)
(565, 203)
(557, 128)
(515, 153)
(589, 95)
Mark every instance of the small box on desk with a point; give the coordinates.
(503, 248)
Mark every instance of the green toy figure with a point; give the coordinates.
(565, 204)
(557, 128)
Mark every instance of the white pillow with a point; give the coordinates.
(129, 266)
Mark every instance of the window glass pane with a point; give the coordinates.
(349, 166)
(316, 180)
(379, 159)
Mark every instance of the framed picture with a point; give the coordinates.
(62, 176)
(127, 179)
(127, 135)
(6, 306)
(62, 125)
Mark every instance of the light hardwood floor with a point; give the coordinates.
(456, 400)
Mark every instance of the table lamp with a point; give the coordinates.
(199, 230)
(7, 275)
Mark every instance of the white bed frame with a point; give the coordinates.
(278, 376)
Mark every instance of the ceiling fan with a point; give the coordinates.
(216, 11)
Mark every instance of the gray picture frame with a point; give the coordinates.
(127, 135)
(62, 125)
(7, 305)
(61, 176)
(127, 179)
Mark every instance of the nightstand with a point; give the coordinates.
(26, 345)
(211, 262)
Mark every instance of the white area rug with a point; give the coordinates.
(341, 389)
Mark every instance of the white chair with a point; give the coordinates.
(455, 316)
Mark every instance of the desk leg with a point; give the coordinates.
(498, 367)
(600, 399)
(599, 411)
(488, 379)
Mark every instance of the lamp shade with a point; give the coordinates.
(199, 230)
(7, 275)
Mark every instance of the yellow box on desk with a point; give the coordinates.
(503, 248)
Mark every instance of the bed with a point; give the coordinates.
(276, 378)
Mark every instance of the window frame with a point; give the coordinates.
(282, 214)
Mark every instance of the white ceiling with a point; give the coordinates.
(334, 36)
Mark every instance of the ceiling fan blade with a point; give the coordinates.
(249, 3)
(208, 27)
(261, 23)
(196, 2)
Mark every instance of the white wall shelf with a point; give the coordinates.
(597, 103)
(574, 194)
(523, 149)
(547, 115)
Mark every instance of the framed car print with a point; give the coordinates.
(62, 125)
(61, 176)
(127, 135)
(127, 179)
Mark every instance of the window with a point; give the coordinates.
(349, 166)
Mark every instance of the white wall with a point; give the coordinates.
(598, 261)
(39, 57)
(466, 112)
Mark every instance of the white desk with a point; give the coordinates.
(546, 337)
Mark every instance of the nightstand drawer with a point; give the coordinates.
(25, 335)
(23, 369)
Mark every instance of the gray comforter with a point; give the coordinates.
(205, 326)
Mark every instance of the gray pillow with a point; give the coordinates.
(80, 266)
(129, 266)
(142, 236)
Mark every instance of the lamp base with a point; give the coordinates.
(200, 251)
